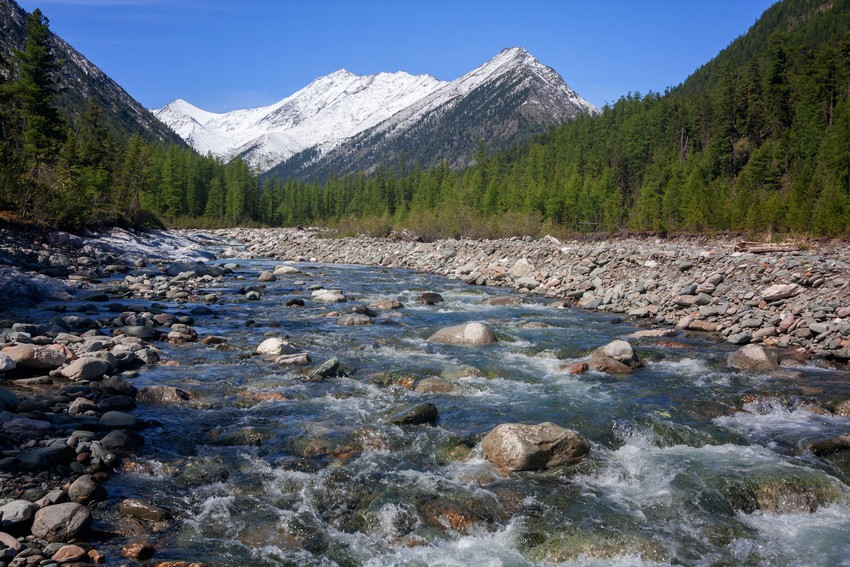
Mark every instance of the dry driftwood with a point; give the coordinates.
(763, 247)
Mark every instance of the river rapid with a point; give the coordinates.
(691, 462)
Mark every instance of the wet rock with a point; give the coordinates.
(328, 296)
(519, 447)
(429, 298)
(354, 320)
(451, 514)
(616, 357)
(503, 300)
(266, 276)
(162, 395)
(421, 414)
(386, 304)
(86, 489)
(275, 347)
(143, 510)
(471, 334)
(832, 445)
(250, 436)
(296, 302)
(299, 359)
(138, 550)
(197, 269)
(17, 512)
(433, 385)
(61, 522)
(754, 358)
(86, 368)
(597, 547)
(327, 369)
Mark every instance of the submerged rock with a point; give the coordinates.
(520, 447)
(471, 334)
(417, 415)
(162, 395)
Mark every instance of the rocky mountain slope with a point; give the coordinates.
(82, 81)
(344, 122)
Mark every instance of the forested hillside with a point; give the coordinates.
(83, 171)
(758, 139)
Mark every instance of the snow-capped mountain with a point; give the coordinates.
(322, 114)
(81, 81)
(346, 122)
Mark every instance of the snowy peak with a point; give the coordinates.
(343, 113)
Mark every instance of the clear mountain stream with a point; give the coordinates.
(265, 467)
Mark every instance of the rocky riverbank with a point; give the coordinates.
(67, 368)
(788, 297)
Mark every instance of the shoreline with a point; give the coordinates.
(796, 299)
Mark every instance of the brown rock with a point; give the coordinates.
(61, 522)
(138, 550)
(700, 325)
(162, 395)
(143, 510)
(69, 554)
(578, 368)
(753, 357)
(843, 409)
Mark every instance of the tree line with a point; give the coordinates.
(756, 140)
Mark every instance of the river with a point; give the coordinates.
(266, 467)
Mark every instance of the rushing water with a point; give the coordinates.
(264, 467)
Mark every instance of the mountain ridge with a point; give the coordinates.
(82, 81)
(294, 136)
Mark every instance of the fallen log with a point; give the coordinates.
(765, 247)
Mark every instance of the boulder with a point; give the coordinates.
(266, 276)
(122, 439)
(521, 447)
(196, 268)
(753, 357)
(36, 357)
(326, 369)
(120, 420)
(43, 458)
(386, 304)
(17, 512)
(616, 357)
(70, 554)
(275, 347)
(162, 395)
(471, 334)
(300, 359)
(61, 522)
(138, 550)
(86, 368)
(781, 291)
(140, 331)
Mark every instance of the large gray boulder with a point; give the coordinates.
(86, 368)
(470, 334)
(753, 357)
(36, 357)
(61, 522)
(520, 447)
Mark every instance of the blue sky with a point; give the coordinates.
(226, 54)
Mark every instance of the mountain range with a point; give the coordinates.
(343, 122)
(81, 81)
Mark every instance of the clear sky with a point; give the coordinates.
(226, 54)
